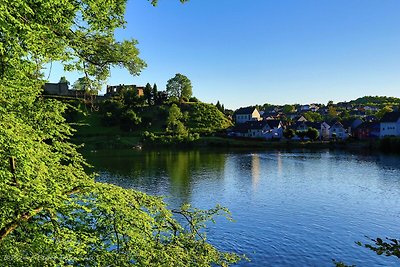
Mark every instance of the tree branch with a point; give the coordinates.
(8, 228)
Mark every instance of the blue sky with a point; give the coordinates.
(262, 51)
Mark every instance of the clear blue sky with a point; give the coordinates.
(244, 52)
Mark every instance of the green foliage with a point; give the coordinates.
(380, 101)
(175, 125)
(148, 94)
(205, 118)
(312, 116)
(179, 87)
(64, 80)
(383, 111)
(332, 113)
(112, 111)
(130, 120)
(389, 247)
(288, 109)
(131, 98)
(154, 94)
(171, 140)
(301, 134)
(289, 133)
(312, 133)
(52, 212)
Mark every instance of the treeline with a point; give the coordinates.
(163, 117)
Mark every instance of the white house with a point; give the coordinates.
(390, 124)
(268, 129)
(243, 115)
(338, 131)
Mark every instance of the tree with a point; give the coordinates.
(288, 109)
(64, 80)
(301, 134)
(383, 111)
(155, 94)
(312, 133)
(179, 87)
(52, 212)
(312, 116)
(219, 107)
(82, 83)
(289, 133)
(130, 120)
(174, 123)
(332, 113)
(148, 93)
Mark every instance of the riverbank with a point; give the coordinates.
(95, 136)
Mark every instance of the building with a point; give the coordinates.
(61, 89)
(113, 90)
(390, 124)
(243, 115)
(338, 131)
(367, 130)
(265, 129)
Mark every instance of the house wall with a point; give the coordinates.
(255, 116)
(242, 118)
(56, 88)
(340, 133)
(390, 128)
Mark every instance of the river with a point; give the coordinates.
(290, 208)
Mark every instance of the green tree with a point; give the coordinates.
(301, 134)
(180, 87)
(155, 94)
(312, 116)
(383, 111)
(63, 79)
(332, 113)
(288, 109)
(130, 120)
(52, 212)
(312, 133)
(289, 133)
(148, 93)
(219, 107)
(174, 123)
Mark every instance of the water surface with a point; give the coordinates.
(290, 209)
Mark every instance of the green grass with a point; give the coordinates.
(94, 135)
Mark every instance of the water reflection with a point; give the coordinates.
(144, 170)
(291, 209)
(255, 170)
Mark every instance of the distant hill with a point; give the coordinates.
(376, 101)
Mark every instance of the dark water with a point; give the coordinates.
(290, 209)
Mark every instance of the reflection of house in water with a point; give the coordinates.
(255, 170)
(113, 90)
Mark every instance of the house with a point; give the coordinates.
(351, 125)
(314, 107)
(390, 124)
(243, 115)
(266, 129)
(113, 90)
(338, 131)
(371, 109)
(258, 129)
(322, 127)
(367, 130)
(276, 131)
(304, 108)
